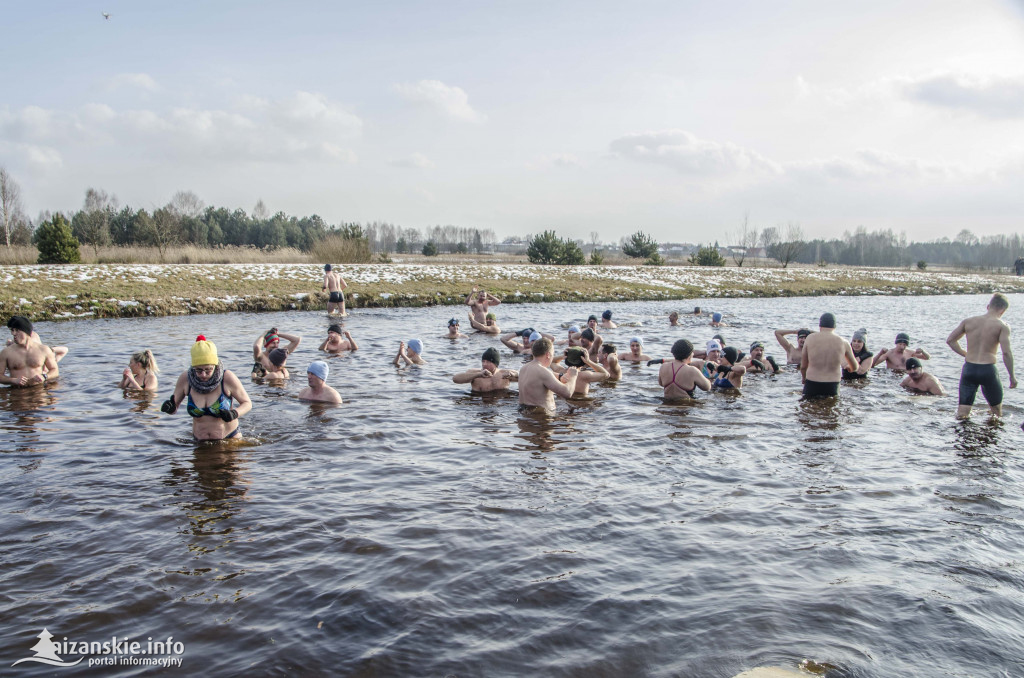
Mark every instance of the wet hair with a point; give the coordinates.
(588, 334)
(999, 301)
(541, 347)
(492, 355)
(146, 359)
(682, 349)
(673, 314)
(607, 348)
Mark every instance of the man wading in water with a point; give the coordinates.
(985, 333)
(821, 358)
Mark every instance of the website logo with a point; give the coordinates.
(46, 652)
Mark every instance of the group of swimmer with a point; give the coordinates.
(215, 397)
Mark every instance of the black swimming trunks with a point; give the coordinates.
(337, 297)
(821, 389)
(974, 375)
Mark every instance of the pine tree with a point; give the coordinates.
(56, 243)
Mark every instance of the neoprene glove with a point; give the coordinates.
(657, 361)
(757, 363)
(724, 369)
(771, 361)
(230, 415)
(169, 406)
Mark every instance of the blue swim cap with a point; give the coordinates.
(318, 368)
(717, 317)
(415, 345)
(536, 336)
(575, 329)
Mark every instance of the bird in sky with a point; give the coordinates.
(105, 16)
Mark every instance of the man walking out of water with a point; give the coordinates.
(821, 359)
(334, 284)
(538, 385)
(985, 333)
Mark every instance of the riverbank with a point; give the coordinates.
(118, 290)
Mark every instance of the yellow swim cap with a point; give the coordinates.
(204, 352)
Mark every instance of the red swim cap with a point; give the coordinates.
(200, 338)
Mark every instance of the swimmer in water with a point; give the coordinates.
(318, 390)
(489, 377)
(527, 338)
(609, 360)
(823, 353)
(896, 357)
(141, 372)
(489, 326)
(793, 353)
(678, 377)
(262, 365)
(479, 303)
(590, 372)
(729, 374)
(334, 343)
(636, 352)
(716, 319)
(591, 340)
(453, 330)
(919, 381)
(538, 385)
(757, 362)
(712, 352)
(858, 343)
(673, 319)
(606, 321)
(28, 362)
(409, 354)
(573, 338)
(209, 390)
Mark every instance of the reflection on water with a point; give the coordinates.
(420, 529)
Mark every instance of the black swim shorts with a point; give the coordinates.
(337, 297)
(974, 375)
(821, 389)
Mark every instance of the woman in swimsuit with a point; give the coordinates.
(141, 372)
(729, 374)
(679, 378)
(262, 365)
(862, 354)
(209, 391)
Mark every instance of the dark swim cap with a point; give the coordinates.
(278, 356)
(804, 332)
(731, 354)
(682, 349)
(574, 356)
(327, 267)
(587, 334)
(492, 355)
(607, 315)
(913, 362)
(903, 338)
(335, 328)
(20, 322)
(827, 320)
(593, 317)
(526, 332)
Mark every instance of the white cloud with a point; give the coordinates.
(303, 127)
(993, 97)
(414, 161)
(136, 80)
(686, 153)
(873, 164)
(424, 194)
(451, 101)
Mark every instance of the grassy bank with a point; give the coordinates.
(120, 290)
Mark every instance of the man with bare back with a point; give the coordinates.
(538, 385)
(334, 285)
(985, 334)
(821, 359)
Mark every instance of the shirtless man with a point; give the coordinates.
(793, 353)
(488, 378)
(479, 302)
(716, 319)
(578, 357)
(896, 358)
(409, 355)
(821, 359)
(334, 285)
(489, 326)
(318, 390)
(757, 362)
(453, 330)
(262, 365)
(28, 362)
(529, 336)
(609, 360)
(538, 385)
(591, 341)
(606, 321)
(673, 319)
(636, 352)
(678, 377)
(920, 381)
(729, 374)
(573, 338)
(334, 342)
(985, 333)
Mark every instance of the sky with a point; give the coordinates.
(681, 119)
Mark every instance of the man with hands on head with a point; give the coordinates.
(489, 377)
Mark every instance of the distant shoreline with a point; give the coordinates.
(152, 290)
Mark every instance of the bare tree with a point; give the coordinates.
(162, 230)
(260, 211)
(10, 203)
(187, 204)
(746, 240)
(92, 225)
(788, 249)
(770, 238)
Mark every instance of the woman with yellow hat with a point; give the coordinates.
(209, 390)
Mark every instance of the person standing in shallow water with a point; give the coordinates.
(985, 334)
(821, 359)
(29, 362)
(209, 390)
